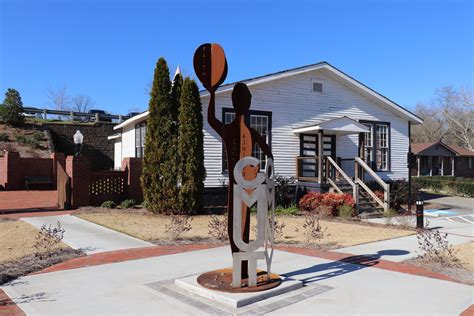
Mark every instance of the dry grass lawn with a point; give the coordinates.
(466, 254)
(152, 227)
(16, 240)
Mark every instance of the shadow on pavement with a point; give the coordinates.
(346, 265)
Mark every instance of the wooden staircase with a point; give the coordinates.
(366, 205)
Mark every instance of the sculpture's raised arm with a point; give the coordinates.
(211, 68)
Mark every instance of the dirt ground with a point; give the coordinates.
(146, 226)
(17, 239)
(463, 272)
(42, 151)
(465, 253)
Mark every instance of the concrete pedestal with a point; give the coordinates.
(235, 300)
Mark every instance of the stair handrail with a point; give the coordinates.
(354, 185)
(386, 187)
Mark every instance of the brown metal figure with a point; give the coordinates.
(239, 139)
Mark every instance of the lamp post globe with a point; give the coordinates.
(78, 140)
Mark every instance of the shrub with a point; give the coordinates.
(108, 204)
(218, 227)
(4, 137)
(347, 211)
(127, 203)
(278, 229)
(389, 215)
(25, 140)
(325, 203)
(454, 185)
(285, 191)
(434, 247)
(292, 209)
(38, 136)
(11, 110)
(178, 226)
(312, 229)
(47, 239)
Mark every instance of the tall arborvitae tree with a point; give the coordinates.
(175, 96)
(191, 148)
(160, 167)
(11, 110)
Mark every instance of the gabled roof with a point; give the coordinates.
(336, 126)
(324, 65)
(299, 70)
(417, 148)
(462, 151)
(136, 118)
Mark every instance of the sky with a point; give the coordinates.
(108, 49)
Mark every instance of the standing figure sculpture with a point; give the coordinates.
(239, 140)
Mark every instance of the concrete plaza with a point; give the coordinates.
(339, 287)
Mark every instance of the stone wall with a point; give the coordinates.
(98, 150)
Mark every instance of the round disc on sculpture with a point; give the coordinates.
(221, 280)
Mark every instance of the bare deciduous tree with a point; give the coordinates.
(433, 128)
(59, 98)
(458, 109)
(82, 103)
(448, 117)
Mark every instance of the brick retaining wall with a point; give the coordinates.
(96, 147)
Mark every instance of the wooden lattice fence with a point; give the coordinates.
(107, 185)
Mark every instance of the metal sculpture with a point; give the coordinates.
(247, 185)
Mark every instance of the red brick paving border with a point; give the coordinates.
(124, 255)
(14, 201)
(381, 264)
(8, 307)
(39, 213)
(468, 311)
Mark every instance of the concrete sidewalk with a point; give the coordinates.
(344, 288)
(397, 249)
(92, 238)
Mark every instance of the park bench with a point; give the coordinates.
(37, 180)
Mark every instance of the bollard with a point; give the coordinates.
(419, 212)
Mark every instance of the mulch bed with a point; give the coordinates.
(458, 273)
(26, 265)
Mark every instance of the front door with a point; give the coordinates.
(309, 148)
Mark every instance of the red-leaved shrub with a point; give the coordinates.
(325, 204)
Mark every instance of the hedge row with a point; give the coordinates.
(452, 185)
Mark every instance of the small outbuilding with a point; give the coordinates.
(440, 159)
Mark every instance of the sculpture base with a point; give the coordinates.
(234, 298)
(221, 280)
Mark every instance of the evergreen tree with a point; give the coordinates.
(11, 110)
(159, 180)
(175, 98)
(191, 148)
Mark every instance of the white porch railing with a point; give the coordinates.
(330, 163)
(359, 163)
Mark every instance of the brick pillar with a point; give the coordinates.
(61, 159)
(78, 169)
(13, 170)
(133, 166)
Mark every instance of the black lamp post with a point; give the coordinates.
(78, 140)
(419, 211)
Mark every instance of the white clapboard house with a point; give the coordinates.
(325, 128)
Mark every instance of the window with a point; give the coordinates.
(260, 121)
(140, 132)
(382, 147)
(470, 162)
(368, 141)
(377, 146)
(317, 86)
(260, 124)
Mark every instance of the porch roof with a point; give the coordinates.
(337, 126)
